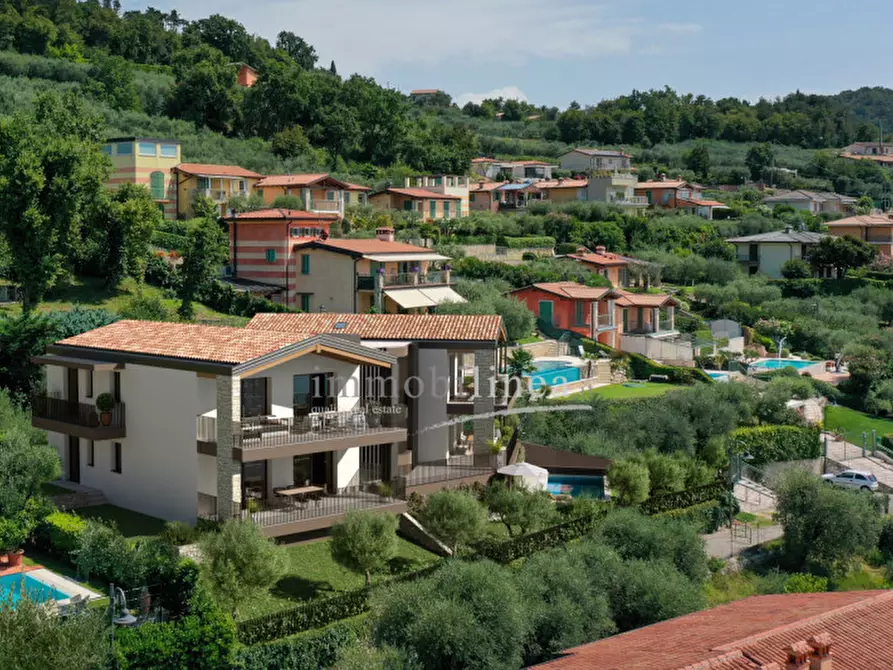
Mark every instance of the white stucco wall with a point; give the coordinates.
(347, 379)
(773, 256)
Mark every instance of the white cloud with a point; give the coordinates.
(367, 35)
(506, 92)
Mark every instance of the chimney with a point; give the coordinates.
(787, 229)
(385, 234)
(820, 656)
(798, 656)
(560, 181)
(662, 176)
(600, 249)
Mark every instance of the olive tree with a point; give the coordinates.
(364, 542)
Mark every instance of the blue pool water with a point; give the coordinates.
(577, 485)
(552, 373)
(778, 364)
(36, 590)
(719, 376)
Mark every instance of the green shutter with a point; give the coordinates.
(458, 208)
(433, 208)
(305, 264)
(446, 209)
(407, 205)
(305, 303)
(271, 255)
(156, 185)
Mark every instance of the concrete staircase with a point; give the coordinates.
(753, 497)
(79, 496)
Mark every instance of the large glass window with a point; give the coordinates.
(147, 149)
(313, 392)
(254, 397)
(125, 148)
(169, 150)
(107, 149)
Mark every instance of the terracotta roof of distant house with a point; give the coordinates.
(289, 214)
(562, 183)
(863, 220)
(669, 183)
(308, 179)
(366, 246)
(702, 203)
(819, 196)
(205, 169)
(421, 194)
(572, 290)
(601, 152)
(524, 163)
(434, 327)
(751, 634)
(483, 159)
(868, 157)
(219, 344)
(601, 259)
(424, 91)
(630, 299)
(486, 186)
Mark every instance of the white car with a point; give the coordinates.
(853, 479)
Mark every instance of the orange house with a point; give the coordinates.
(677, 194)
(876, 229)
(247, 76)
(611, 266)
(482, 196)
(320, 192)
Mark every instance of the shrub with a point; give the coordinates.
(642, 367)
(59, 534)
(456, 518)
(770, 444)
(645, 592)
(364, 542)
(803, 582)
(702, 516)
(542, 242)
(885, 540)
(684, 499)
(630, 481)
(104, 552)
(307, 651)
(178, 533)
(566, 248)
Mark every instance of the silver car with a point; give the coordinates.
(853, 479)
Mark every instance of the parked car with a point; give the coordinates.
(853, 479)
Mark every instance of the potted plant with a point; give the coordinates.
(14, 531)
(105, 403)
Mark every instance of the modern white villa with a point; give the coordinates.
(290, 421)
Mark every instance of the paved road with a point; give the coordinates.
(850, 456)
(723, 545)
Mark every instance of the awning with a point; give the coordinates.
(442, 294)
(401, 258)
(423, 297)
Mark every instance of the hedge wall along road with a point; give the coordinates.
(769, 444)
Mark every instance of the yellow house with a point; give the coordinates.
(563, 190)
(147, 161)
(428, 204)
(319, 192)
(217, 182)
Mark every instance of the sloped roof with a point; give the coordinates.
(751, 634)
(606, 259)
(800, 195)
(562, 183)
(600, 152)
(572, 290)
(781, 236)
(308, 179)
(669, 183)
(421, 194)
(431, 327)
(209, 170)
(486, 187)
(362, 247)
(702, 203)
(289, 214)
(863, 220)
(630, 299)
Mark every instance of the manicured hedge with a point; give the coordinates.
(769, 444)
(169, 241)
(684, 499)
(594, 348)
(701, 515)
(566, 248)
(642, 367)
(306, 651)
(541, 242)
(58, 534)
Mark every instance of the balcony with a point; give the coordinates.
(634, 328)
(332, 206)
(604, 321)
(465, 469)
(77, 418)
(630, 201)
(395, 279)
(218, 194)
(262, 438)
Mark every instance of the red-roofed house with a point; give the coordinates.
(563, 190)
(320, 192)
(350, 275)
(482, 196)
(602, 314)
(586, 160)
(613, 267)
(247, 75)
(430, 205)
(796, 631)
(677, 194)
(217, 182)
(445, 184)
(511, 170)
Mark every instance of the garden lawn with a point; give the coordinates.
(853, 423)
(132, 525)
(310, 573)
(53, 490)
(621, 392)
(89, 292)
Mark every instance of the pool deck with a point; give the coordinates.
(50, 578)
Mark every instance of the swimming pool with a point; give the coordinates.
(591, 486)
(14, 585)
(553, 373)
(779, 363)
(719, 376)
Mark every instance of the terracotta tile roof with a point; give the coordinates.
(606, 259)
(562, 183)
(421, 194)
(863, 220)
(702, 203)
(630, 299)
(525, 163)
(356, 187)
(218, 344)
(424, 91)
(483, 159)
(370, 246)
(290, 214)
(434, 327)
(661, 184)
(308, 179)
(750, 634)
(486, 186)
(601, 152)
(572, 290)
(215, 170)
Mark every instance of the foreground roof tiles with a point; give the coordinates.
(217, 344)
(370, 246)
(216, 170)
(751, 634)
(433, 327)
(573, 290)
(630, 299)
(286, 214)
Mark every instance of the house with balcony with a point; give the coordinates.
(616, 188)
(582, 160)
(514, 196)
(814, 202)
(445, 184)
(613, 267)
(320, 193)
(766, 253)
(605, 315)
(482, 196)
(262, 250)
(563, 190)
(217, 182)
(677, 194)
(511, 170)
(355, 276)
(147, 161)
(876, 229)
(443, 372)
(429, 205)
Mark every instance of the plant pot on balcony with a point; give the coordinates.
(105, 403)
(14, 558)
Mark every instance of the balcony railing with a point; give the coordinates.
(219, 194)
(631, 200)
(457, 467)
(367, 282)
(646, 329)
(77, 418)
(285, 510)
(325, 206)
(605, 321)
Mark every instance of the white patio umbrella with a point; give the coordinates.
(534, 477)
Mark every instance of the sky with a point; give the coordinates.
(553, 53)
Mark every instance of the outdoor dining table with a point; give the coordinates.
(302, 492)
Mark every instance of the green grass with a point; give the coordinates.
(89, 292)
(311, 573)
(53, 490)
(621, 392)
(529, 340)
(853, 423)
(132, 525)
